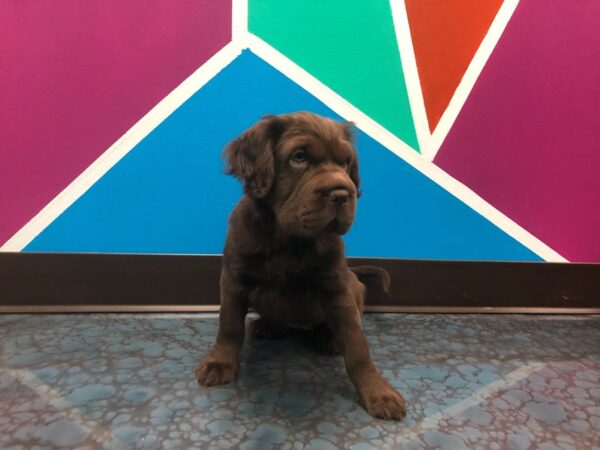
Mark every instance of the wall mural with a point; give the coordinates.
(476, 121)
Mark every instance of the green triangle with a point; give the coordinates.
(349, 45)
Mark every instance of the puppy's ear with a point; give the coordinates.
(353, 172)
(250, 157)
(348, 129)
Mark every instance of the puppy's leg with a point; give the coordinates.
(377, 396)
(221, 365)
(324, 340)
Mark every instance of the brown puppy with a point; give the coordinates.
(284, 257)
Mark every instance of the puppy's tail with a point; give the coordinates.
(377, 282)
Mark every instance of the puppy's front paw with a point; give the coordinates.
(213, 372)
(386, 404)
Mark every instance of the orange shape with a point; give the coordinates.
(446, 34)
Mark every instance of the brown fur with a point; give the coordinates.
(284, 256)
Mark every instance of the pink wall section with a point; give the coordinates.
(528, 137)
(76, 75)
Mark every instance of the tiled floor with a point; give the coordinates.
(126, 381)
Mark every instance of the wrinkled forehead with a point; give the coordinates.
(323, 139)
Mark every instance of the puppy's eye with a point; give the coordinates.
(299, 157)
(347, 164)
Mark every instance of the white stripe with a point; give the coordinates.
(400, 148)
(239, 19)
(411, 73)
(122, 146)
(470, 77)
(476, 398)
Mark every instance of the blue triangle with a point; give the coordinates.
(169, 193)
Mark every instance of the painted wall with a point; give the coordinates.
(477, 120)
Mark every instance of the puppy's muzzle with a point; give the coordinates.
(338, 197)
(341, 205)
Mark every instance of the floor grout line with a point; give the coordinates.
(71, 412)
(475, 398)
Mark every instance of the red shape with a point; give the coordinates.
(446, 34)
(76, 75)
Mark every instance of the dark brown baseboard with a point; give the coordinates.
(73, 282)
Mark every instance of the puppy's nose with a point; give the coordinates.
(338, 196)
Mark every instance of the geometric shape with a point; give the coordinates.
(169, 193)
(527, 137)
(69, 92)
(348, 45)
(445, 37)
(404, 214)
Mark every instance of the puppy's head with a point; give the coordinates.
(304, 167)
